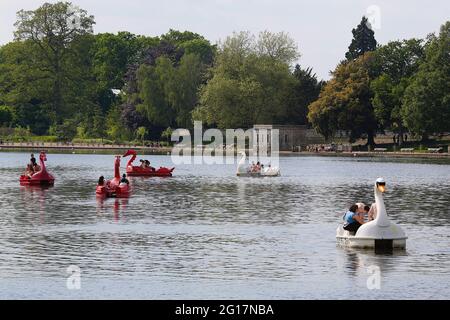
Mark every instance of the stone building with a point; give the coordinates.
(290, 137)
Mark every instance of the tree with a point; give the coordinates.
(53, 28)
(141, 132)
(306, 90)
(426, 105)
(6, 116)
(363, 40)
(167, 134)
(397, 62)
(249, 84)
(345, 102)
(278, 46)
(24, 86)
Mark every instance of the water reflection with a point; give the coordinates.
(205, 227)
(116, 206)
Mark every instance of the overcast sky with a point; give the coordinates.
(321, 28)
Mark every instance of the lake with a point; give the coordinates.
(207, 234)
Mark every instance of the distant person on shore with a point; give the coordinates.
(124, 179)
(101, 181)
(352, 219)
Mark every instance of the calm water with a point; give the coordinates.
(206, 234)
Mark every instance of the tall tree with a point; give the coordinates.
(250, 83)
(306, 90)
(363, 40)
(345, 102)
(53, 28)
(426, 105)
(397, 62)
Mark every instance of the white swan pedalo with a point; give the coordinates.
(379, 233)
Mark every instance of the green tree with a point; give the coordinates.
(426, 104)
(363, 40)
(306, 90)
(141, 132)
(24, 85)
(248, 84)
(167, 134)
(397, 62)
(6, 116)
(53, 28)
(345, 102)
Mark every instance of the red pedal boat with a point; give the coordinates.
(42, 177)
(138, 171)
(113, 187)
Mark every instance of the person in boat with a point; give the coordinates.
(361, 212)
(147, 164)
(33, 160)
(372, 213)
(101, 181)
(142, 165)
(29, 171)
(353, 219)
(124, 179)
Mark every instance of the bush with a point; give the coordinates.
(92, 141)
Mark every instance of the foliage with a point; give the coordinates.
(426, 105)
(363, 40)
(345, 102)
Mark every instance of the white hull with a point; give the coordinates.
(346, 239)
(257, 174)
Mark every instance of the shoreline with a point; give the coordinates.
(108, 149)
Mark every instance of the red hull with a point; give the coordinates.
(27, 181)
(135, 171)
(113, 191)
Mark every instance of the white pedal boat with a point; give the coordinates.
(243, 169)
(379, 233)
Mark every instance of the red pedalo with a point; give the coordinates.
(145, 171)
(42, 177)
(113, 187)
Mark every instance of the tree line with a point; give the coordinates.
(58, 78)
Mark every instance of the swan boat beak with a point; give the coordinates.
(381, 186)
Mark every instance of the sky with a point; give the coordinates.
(322, 29)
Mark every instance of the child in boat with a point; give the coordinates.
(101, 181)
(29, 171)
(142, 164)
(124, 179)
(361, 210)
(352, 219)
(372, 213)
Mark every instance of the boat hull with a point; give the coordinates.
(26, 181)
(346, 239)
(135, 171)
